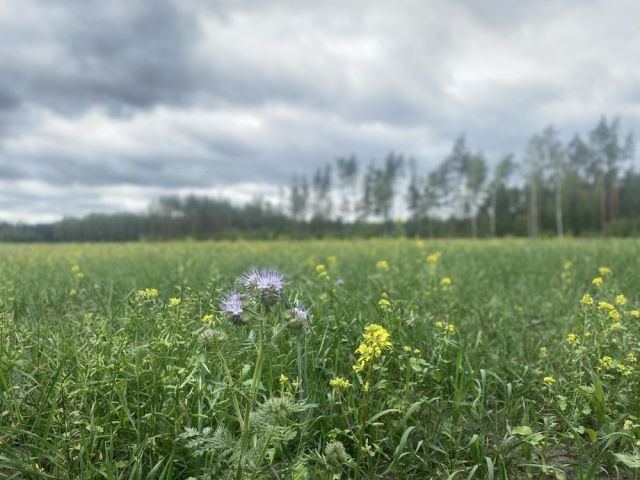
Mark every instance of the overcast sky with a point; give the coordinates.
(105, 105)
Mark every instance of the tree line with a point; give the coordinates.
(587, 186)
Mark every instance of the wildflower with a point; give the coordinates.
(615, 326)
(407, 348)
(146, 293)
(335, 455)
(628, 424)
(621, 299)
(299, 316)
(604, 271)
(586, 299)
(631, 357)
(209, 334)
(417, 351)
(320, 268)
(384, 303)
(208, 319)
(375, 339)
(447, 327)
(549, 380)
(365, 387)
(340, 382)
(543, 352)
(266, 283)
(635, 313)
(614, 314)
(75, 268)
(623, 369)
(446, 281)
(73, 292)
(567, 265)
(283, 379)
(434, 257)
(597, 281)
(605, 362)
(382, 265)
(602, 305)
(573, 339)
(232, 306)
(331, 259)
(174, 302)
(79, 275)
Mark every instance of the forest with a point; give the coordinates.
(588, 186)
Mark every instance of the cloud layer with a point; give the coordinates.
(106, 105)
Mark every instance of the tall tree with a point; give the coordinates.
(475, 176)
(533, 168)
(556, 161)
(347, 174)
(501, 173)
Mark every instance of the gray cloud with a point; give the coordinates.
(233, 97)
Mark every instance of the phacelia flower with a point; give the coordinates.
(267, 284)
(298, 317)
(232, 306)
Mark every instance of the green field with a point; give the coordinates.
(496, 364)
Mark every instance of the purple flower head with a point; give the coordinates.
(232, 305)
(300, 313)
(266, 285)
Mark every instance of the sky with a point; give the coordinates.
(107, 105)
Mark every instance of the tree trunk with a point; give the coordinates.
(533, 211)
(474, 225)
(492, 218)
(559, 225)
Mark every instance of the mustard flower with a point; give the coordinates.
(339, 383)
(621, 299)
(549, 380)
(586, 299)
(446, 281)
(382, 265)
(597, 281)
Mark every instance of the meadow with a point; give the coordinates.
(376, 359)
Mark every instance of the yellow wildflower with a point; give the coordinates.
(573, 339)
(174, 302)
(283, 379)
(382, 265)
(628, 424)
(635, 313)
(384, 302)
(434, 257)
(331, 259)
(407, 348)
(604, 271)
(146, 293)
(602, 305)
(623, 369)
(320, 268)
(543, 352)
(340, 382)
(365, 387)
(631, 357)
(614, 314)
(605, 362)
(208, 318)
(446, 281)
(73, 292)
(549, 380)
(597, 281)
(586, 299)
(567, 265)
(621, 299)
(375, 339)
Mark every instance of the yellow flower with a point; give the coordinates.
(567, 265)
(635, 313)
(605, 362)
(382, 265)
(375, 339)
(340, 382)
(75, 268)
(628, 424)
(597, 281)
(623, 369)
(434, 257)
(604, 271)
(549, 380)
(79, 275)
(631, 357)
(586, 299)
(621, 299)
(614, 314)
(602, 305)
(331, 259)
(615, 326)
(543, 352)
(573, 339)
(73, 292)
(384, 303)
(446, 281)
(365, 387)
(447, 327)
(283, 379)
(320, 268)
(208, 318)
(407, 348)
(146, 293)
(174, 302)
(417, 351)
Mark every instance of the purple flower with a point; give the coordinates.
(266, 285)
(299, 313)
(232, 305)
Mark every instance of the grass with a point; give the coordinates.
(504, 371)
